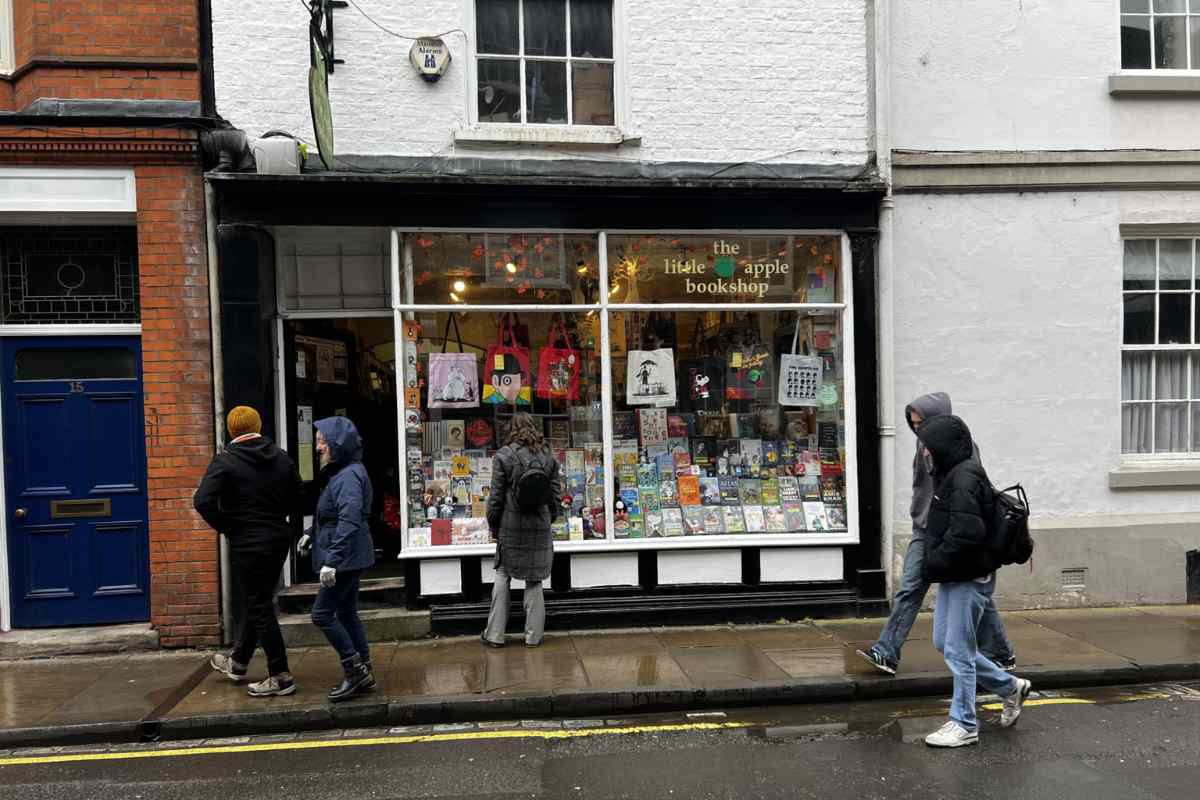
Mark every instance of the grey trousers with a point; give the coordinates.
(535, 610)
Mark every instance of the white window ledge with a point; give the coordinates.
(1152, 82)
(1154, 475)
(577, 136)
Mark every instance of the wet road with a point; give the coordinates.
(1134, 743)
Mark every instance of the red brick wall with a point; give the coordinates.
(177, 360)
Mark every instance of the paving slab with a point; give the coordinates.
(723, 666)
(630, 670)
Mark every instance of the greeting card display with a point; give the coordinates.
(800, 377)
(506, 368)
(650, 378)
(558, 366)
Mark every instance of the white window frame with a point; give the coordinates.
(8, 55)
(1193, 392)
(1193, 11)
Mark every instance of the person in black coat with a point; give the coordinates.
(959, 560)
(247, 494)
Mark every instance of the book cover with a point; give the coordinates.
(770, 455)
(624, 425)
(734, 521)
(752, 453)
(420, 537)
(710, 491)
(665, 462)
(621, 528)
(810, 487)
(770, 491)
(693, 521)
(704, 451)
(678, 446)
(647, 475)
(460, 490)
(594, 476)
(456, 434)
(750, 491)
(649, 498)
(443, 471)
(672, 522)
(575, 529)
(560, 530)
(652, 423)
(730, 490)
(460, 465)
(637, 528)
(654, 524)
(831, 490)
(689, 490)
(479, 509)
(789, 489)
(748, 426)
(625, 454)
(815, 518)
(714, 520)
(683, 463)
(755, 519)
(837, 517)
(677, 427)
(633, 502)
(440, 531)
(594, 496)
(576, 460)
(593, 454)
(668, 494)
(793, 514)
(469, 531)
(775, 518)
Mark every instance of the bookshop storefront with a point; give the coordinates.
(699, 385)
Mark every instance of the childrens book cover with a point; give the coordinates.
(810, 487)
(689, 490)
(793, 513)
(440, 531)
(734, 521)
(647, 475)
(668, 494)
(831, 490)
(748, 426)
(593, 453)
(456, 434)
(625, 454)
(479, 509)
(750, 491)
(561, 530)
(460, 465)
(730, 490)
(770, 491)
(677, 427)
(770, 455)
(704, 451)
(649, 498)
(665, 462)
(633, 502)
(558, 430)
(594, 496)
(815, 518)
(683, 463)
(654, 524)
(443, 471)
(637, 528)
(652, 423)
(710, 491)
(460, 490)
(420, 537)
(672, 522)
(776, 519)
(576, 460)
(594, 476)
(693, 521)
(575, 529)
(755, 519)
(624, 425)
(752, 454)
(837, 517)
(680, 446)
(575, 484)
(789, 489)
(714, 520)
(653, 451)
(621, 528)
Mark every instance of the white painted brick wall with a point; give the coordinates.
(721, 81)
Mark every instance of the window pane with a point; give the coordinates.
(1136, 428)
(1195, 427)
(1162, 6)
(592, 94)
(1135, 42)
(1135, 376)
(1136, 6)
(1174, 318)
(545, 28)
(1170, 428)
(1139, 264)
(499, 91)
(496, 28)
(1195, 22)
(546, 92)
(1139, 319)
(1171, 376)
(1175, 263)
(1170, 42)
(70, 363)
(591, 28)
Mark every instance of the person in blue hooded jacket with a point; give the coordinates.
(342, 550)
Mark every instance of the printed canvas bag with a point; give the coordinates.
(800, 377)
(453, 377)
(558, 366)
(650, 378)
(506, 369)
(748, 375)
(701, 381)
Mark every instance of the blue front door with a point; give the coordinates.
(75, 480)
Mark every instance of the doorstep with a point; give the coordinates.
(382, 625)
(97, 640)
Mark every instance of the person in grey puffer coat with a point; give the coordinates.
(884, 655)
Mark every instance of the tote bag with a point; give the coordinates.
(453, 377)
(748, 376)
(701, 382)
(506, 370)
(558, 366)
(650, 378)
(800, 377)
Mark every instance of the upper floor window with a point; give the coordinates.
(1160, 34)
(545, 61)
(8, 60)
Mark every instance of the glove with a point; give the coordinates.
(304, 546)
(328, 577)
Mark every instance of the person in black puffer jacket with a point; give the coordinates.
(958, 559)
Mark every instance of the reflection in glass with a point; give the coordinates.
(546, 92)
(1169, 6)
(1174, 263)
(591, 28)
(1174, 318)
(592, 93)
(496, 27)
(499, 91)
(1170, 42)
(75, 363)
(1195, 33)
(1135, 42)
(1139, 319)
(1139, 264)
(545, 28)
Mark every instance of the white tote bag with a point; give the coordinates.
(650, 378)
(800, 377)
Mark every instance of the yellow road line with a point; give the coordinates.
(1045, 701)
(461, 736)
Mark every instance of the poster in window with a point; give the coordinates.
(332, 360)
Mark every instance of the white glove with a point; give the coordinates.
(328, 577)
(304, 545)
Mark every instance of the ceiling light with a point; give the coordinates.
(511, 267)
(460, 286)
(455, 297)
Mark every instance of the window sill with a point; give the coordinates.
(1154, 475)
(1154, 82)
(577, 136)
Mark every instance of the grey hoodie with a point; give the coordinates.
(934, 404)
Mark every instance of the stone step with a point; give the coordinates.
(382, 625)
(372, 592)
(98, 640)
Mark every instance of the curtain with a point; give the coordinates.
(1136, 424)
(1171, 383)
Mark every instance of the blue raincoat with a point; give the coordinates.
(343, 536)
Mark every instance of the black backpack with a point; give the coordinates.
(1008, 527)
(533, 487)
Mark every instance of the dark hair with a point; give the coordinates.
(525, 431)
(512, 366)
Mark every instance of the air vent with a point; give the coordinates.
(1074, 578)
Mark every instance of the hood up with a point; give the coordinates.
(934, 404)
(948, 441)
(345, 445)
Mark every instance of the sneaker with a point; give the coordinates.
(1006, 664)
(489, 642)
(876, 660)
(952, 735)
(274, 686)
(1013, 703)
(228, 667)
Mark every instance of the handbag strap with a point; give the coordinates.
(453, 319)
(557, 327)
(796, 335)
(504, 332)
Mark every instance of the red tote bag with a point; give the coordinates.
(506, 370)
(558, 366)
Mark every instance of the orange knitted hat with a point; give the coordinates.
(243, 420)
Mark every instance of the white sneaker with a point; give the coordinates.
(952, 735)
(1014, 702)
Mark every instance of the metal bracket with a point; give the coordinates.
(321, 28)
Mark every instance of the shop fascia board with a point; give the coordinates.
(627, 545)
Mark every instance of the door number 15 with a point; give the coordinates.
(76, 387)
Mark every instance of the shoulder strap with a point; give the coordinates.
(452, 319)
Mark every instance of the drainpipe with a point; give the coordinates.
(886, 285)
(218, 382)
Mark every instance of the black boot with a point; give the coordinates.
(357, 679)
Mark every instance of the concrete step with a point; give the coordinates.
(98, 640)
(383, 625)
(372, 593)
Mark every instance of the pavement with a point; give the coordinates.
(174, 696)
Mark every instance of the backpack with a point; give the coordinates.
(1008, 525)
(533, 487)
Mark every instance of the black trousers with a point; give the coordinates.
(259, 573)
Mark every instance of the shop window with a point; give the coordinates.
(327, 269)
(1160, 362)
(1160, 34)
(69, 275)
(545, 62)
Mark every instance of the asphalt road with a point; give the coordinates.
(1132, 743)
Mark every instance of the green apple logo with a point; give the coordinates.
(723, 267)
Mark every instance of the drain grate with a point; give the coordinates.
(1074, 578)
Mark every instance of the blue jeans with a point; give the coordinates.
(992, 639)
(955, 620)
(336, 613)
